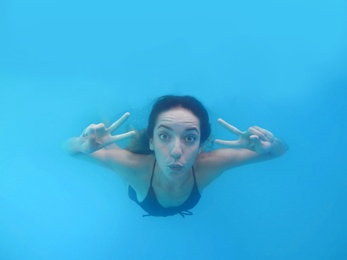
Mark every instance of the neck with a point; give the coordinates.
(172, 181)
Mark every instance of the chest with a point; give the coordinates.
(166, 196)
(172, 197)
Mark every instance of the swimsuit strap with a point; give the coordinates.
(194, 175)
(155, 161)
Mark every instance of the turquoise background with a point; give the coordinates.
(281, 65)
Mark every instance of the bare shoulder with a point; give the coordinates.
(210, 165)
(132, 168)
(138, 176)
(223, 159)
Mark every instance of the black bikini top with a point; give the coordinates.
(152, 206)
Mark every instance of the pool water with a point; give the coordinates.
(67, 64)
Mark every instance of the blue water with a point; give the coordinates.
(281, 65)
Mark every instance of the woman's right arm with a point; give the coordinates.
(97, 144)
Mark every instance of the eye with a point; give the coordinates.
(164, 136)
(191, 139)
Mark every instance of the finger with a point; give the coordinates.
(234, 144)
(88, 145)
(256, 143)
(255, 139)
(231, 128)
(253, 131)
(91, 143)
(119, 137)
(270, 136)
(99, 129)
(89, 131)
(118, 123)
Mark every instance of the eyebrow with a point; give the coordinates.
(187, 129)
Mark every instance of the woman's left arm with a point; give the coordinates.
(254, 145)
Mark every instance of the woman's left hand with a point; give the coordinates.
(255, 138)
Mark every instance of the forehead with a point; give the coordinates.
(178, 116)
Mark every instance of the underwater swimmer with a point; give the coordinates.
(165, 165)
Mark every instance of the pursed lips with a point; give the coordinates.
(176, 167)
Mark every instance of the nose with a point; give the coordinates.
(176, 150)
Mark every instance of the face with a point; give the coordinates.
(176, 140)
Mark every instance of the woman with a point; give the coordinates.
(165, 166)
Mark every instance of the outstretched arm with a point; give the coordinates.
(254, 145)
(97, 144)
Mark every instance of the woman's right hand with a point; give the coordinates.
(95, 137)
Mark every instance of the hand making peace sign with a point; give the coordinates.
(255, 138)
(95, 137)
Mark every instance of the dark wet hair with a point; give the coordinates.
(140, 143)
(190, 103)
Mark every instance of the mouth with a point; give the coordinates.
(176, 167)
